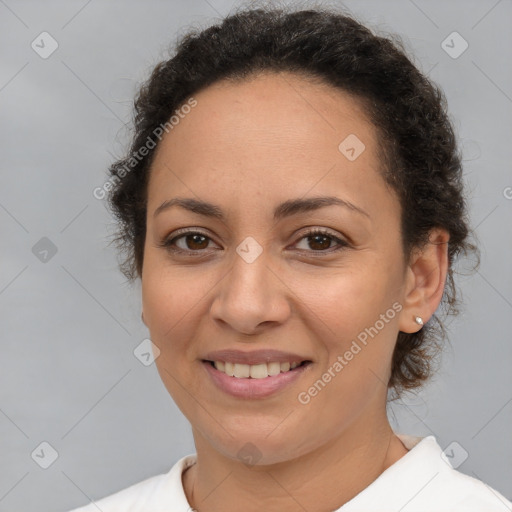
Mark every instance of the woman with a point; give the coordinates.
(293, 205)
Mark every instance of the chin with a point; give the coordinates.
(256, 447)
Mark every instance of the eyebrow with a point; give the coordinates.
(286, 209)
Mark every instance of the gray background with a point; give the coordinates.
(70, 324)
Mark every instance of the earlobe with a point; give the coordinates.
(425, 280)
(418, 320)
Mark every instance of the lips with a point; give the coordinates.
(256, 371)
(255, 374)
(254, 357)
(257, 387)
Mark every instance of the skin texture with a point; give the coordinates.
(247, 147)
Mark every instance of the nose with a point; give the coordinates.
(251, 296)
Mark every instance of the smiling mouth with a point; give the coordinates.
(256, 371)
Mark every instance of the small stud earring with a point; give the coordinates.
(418, 320)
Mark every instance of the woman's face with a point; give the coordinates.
(255, 280)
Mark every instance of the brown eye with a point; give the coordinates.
(321, 240)
(317, 241)
(195, 241)
(187, 241)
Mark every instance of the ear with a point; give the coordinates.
(425, 280)
(142, 318)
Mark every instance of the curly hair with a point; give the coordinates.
(417, 145)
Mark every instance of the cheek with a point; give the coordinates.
(170, 292)
(359, 347)
(169, 300)
(349, 301)
(355, 312)
(171, 310)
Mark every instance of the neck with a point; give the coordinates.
(323, 479)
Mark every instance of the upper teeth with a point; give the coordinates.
(256, 371)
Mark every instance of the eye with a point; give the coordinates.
(191, 241)
(320, 241)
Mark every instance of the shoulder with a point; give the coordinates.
(424, 480)
(445, 488)
(153, 494)
(469, 494)
(465, 493)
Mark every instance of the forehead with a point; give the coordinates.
(269, 105)
(274, 132)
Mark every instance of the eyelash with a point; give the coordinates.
(168, 243)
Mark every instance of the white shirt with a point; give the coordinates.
(421, 481)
